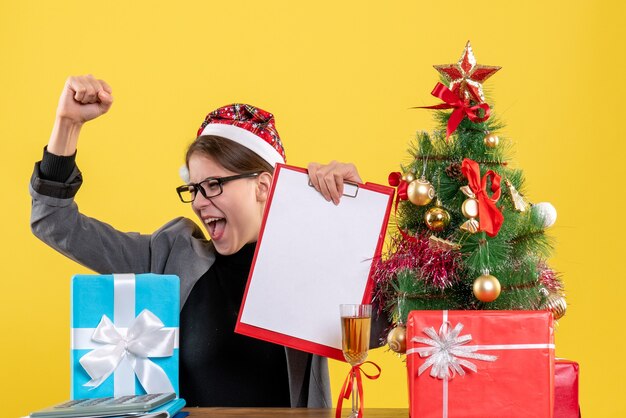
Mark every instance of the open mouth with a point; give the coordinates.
(215, 227)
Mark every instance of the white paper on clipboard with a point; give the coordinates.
(311, 257)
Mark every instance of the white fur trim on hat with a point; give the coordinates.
(183, 172)
(246, 138)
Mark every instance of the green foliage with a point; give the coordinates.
(413, 294)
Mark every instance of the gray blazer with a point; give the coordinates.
(179, 248)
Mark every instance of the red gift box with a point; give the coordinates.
(480, 364)
(566, 389)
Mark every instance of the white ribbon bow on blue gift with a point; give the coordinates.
(145, 338)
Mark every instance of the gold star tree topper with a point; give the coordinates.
(466, 77)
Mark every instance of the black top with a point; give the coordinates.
(217, 366)
(56, 167)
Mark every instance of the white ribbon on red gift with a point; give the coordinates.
(124, 348)
(447, 351)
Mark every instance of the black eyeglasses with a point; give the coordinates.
(209, 187)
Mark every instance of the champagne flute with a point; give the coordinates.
(355, 332)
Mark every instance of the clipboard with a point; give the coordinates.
(311, 257)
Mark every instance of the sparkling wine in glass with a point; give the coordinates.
(355, 332)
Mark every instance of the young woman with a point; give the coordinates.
(230, 168)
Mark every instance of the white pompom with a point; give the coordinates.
(183, 172)
(547, 212)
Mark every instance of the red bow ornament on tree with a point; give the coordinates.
(395, 180)
(489, 216)
(461, 108)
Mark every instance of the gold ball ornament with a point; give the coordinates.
(437, 218)
(420, 192)
(408, 177)
(396, 339)
(491, 140)
(486, 288)
(556, 304)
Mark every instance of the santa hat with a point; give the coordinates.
(246, 125)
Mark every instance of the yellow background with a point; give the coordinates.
(340, 76)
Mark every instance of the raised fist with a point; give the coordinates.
(84, 98)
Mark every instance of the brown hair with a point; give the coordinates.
(229, 154)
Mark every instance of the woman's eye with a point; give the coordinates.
(213, 185)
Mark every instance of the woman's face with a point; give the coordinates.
(233, 218)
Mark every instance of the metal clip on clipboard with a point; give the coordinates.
(353, 187)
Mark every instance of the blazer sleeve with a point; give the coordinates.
(380, 327)
(56, 220)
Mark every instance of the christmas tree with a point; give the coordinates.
(466, 237)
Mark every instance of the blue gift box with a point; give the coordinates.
(124, 332)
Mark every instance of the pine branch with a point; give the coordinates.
(449, 160)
